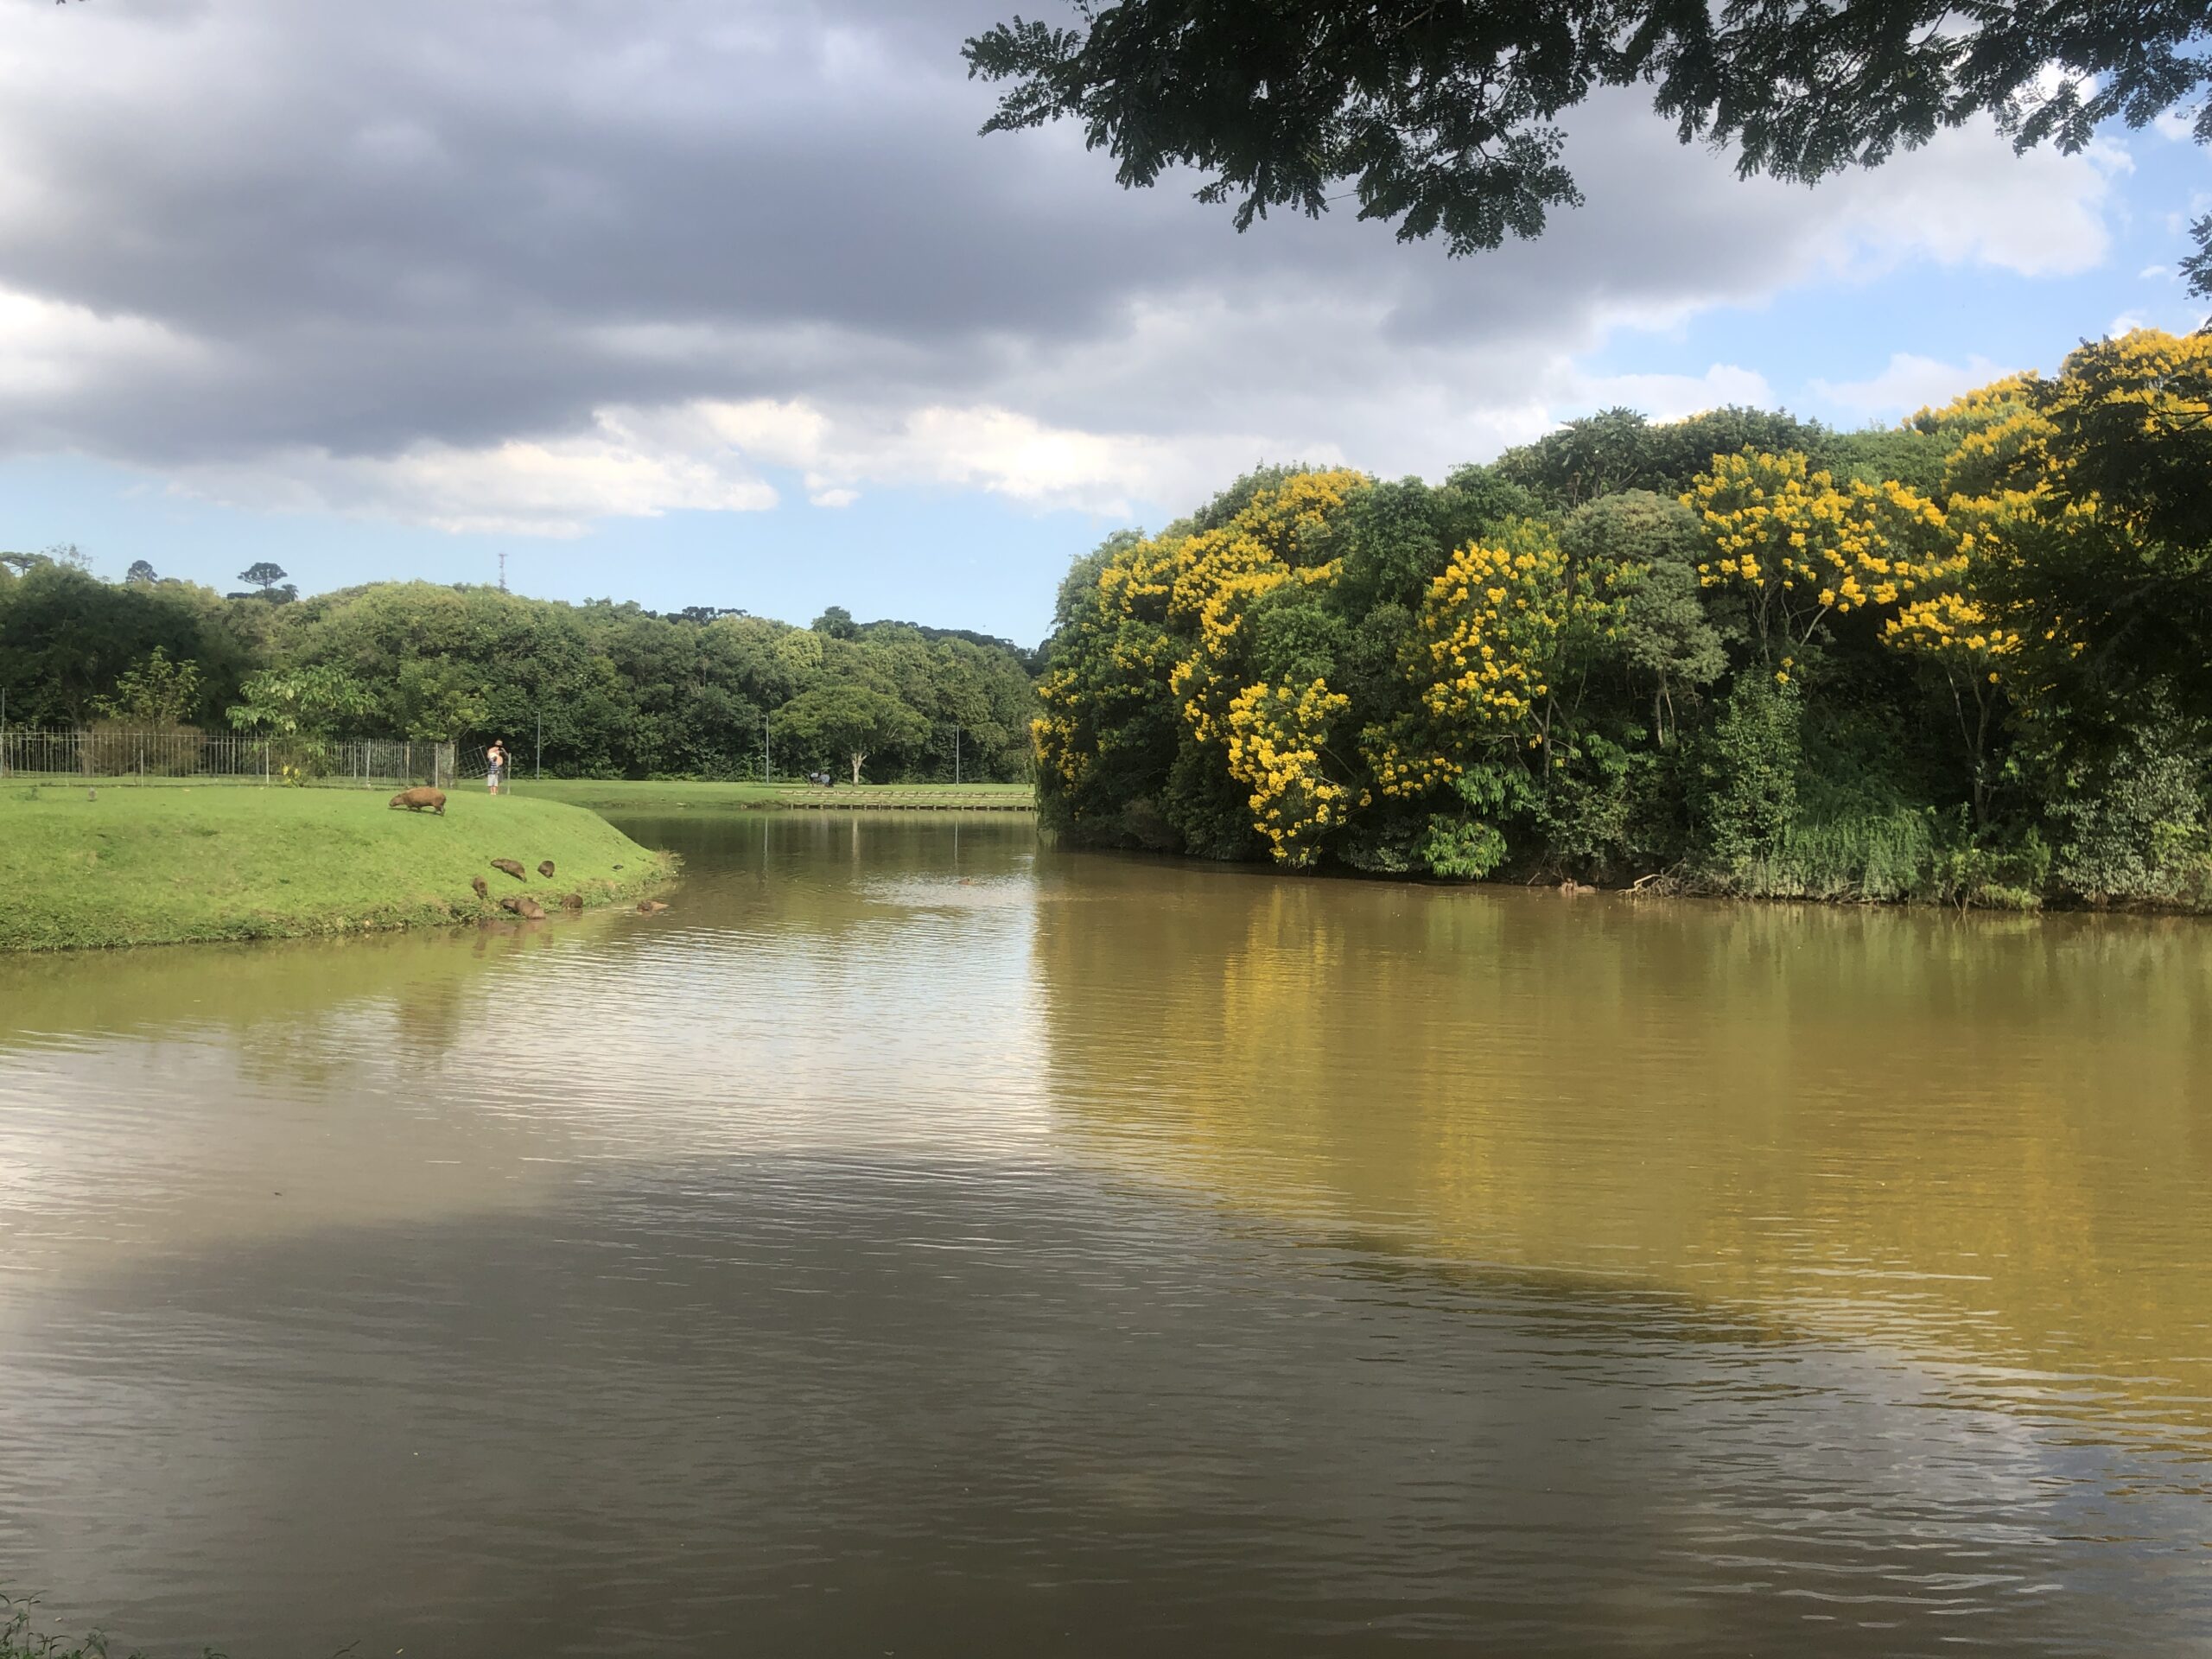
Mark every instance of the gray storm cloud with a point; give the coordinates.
(526, 265)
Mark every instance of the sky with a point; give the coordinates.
(725, 303)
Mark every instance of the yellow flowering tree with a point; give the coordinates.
(1496, 634)
(1942, 624)
(1996, 433)
(1492, 630)
(2089, 496)
(1277, 735)
(1105, 721)
(1218, 575)
(1159, 691)
(1800, 549)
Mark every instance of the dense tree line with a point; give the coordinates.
(617, 690)
(1969, 659)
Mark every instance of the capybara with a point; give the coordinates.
(523, 906)
(546, 869)
(650, 906)
(572, 901)
(477, 882)
(415, 799)
(511, 867)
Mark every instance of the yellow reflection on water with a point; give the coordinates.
(1982, 1140)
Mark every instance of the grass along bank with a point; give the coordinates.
(619, 795)
(19, 1639)
(166, 865)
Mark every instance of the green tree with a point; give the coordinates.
(269, 578)
(848, 723)
(153, 691)
(1663, 638)
(312, 703)
(435, 700)
(1440, 115)
(2093, 522)
(1747, 775)
(68, 638)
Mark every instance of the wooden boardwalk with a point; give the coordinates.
(856, 800)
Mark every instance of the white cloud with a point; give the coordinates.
(2176, 123)
(631, 464)
(1966, 199)
(50, 348)
(1672, 396)
(1909, 382)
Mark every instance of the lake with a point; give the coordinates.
(923, 1241)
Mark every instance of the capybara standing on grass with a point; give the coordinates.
(546, 869)
(415, 799)
(511, 867)
(523, 906)
(477, 882)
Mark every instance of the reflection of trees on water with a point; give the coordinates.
(244, 990)
(1976, 1139)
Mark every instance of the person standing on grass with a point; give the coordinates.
(495, 763)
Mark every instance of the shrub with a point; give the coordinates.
(1747, 778)
(1461, 849)
(2133, 822)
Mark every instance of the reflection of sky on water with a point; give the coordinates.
(823, 1402)
(898, 1240)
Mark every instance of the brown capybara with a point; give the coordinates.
(511, 867)
(415, 800)
(546, 869)
(650, 906)
(572, 901)
(477, 882)
(523, 906)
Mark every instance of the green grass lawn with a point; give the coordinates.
(619, 796)
(162, 866)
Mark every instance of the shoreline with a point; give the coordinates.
(1657, 885)
(643, 797)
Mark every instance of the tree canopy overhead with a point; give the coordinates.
(1439, 115)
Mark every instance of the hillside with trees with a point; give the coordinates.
(617, 690)
(1968, 660)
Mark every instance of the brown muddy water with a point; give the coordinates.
(924, 1242)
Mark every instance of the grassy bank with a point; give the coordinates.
(166, 866)
(620, 796)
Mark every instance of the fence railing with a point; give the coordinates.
(118, 755)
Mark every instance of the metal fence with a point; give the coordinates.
(118, 755)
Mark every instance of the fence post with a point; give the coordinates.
(264, 761)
